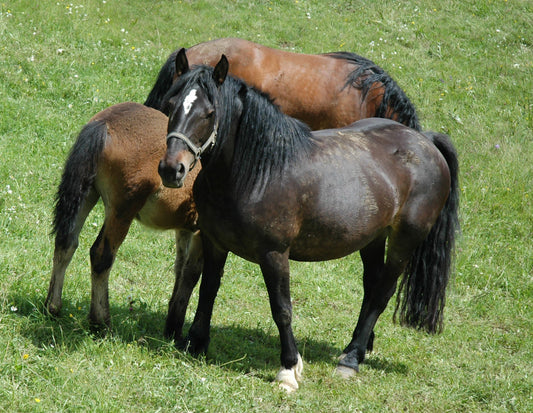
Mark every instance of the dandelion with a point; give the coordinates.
(26, 356)
(37, 400)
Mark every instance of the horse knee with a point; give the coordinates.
(282, 316)
(101, 254)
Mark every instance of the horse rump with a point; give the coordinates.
(422, 291)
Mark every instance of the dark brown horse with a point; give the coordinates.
(325, 91)
(115, 158)
(270, 190)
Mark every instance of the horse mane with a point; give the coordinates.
(266, 140)
(164, 81)
(366, 76)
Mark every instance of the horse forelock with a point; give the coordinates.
(200, 75)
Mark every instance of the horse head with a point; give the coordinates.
(193, 123)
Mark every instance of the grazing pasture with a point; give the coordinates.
(467, 66)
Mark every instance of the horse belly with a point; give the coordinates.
(348, 211)
(322, 241)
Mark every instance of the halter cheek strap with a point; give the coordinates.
(196, 151)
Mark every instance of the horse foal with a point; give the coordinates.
(115, 158)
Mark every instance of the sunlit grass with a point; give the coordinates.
(467, 67)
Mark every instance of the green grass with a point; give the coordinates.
(468, 67)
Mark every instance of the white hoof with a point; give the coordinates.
(288, 378)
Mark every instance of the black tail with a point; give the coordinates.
(77, 179)
(163, 83)
(394, 103)
(421, 295)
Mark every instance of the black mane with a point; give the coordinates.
(267, 142)
(367, 75)
(162, 85)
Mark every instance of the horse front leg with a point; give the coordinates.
(188, 268)
(197, 340)
(275, 268)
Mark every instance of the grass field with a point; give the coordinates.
(467, 66)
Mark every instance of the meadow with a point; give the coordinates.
(468, 68)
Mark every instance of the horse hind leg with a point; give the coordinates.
(187, 268)
(65, 246)
(379, 281)
(103, 253)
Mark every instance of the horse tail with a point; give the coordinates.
(163, 83)
(77, 180)
(421, 295)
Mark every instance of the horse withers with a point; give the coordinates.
(271, 190)
(115, 158)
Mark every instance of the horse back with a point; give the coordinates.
(358, 182)
(309, 87)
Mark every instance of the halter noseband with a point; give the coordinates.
(195, 150)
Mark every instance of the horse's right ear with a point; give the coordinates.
(221, 70)
(182, 64)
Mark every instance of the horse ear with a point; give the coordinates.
(221, 70)
(243, 91)
(182, 64)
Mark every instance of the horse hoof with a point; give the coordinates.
(52, 310)
(345, 372)
(192, 346)
(288, 387)
(288, 378)
(347, 368)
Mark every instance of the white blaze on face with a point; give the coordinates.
(189, 100)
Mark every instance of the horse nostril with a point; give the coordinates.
(161, 168)
(180, 170)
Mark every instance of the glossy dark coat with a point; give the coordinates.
(270, 190)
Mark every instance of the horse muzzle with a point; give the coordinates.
(172, 175)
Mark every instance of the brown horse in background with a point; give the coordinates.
(324, 90)
(115, 158)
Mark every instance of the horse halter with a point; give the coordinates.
(197, 151)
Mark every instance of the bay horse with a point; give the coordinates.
(271, 190)
(328, 90)
(115, 158)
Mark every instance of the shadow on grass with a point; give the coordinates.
(235, 347)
